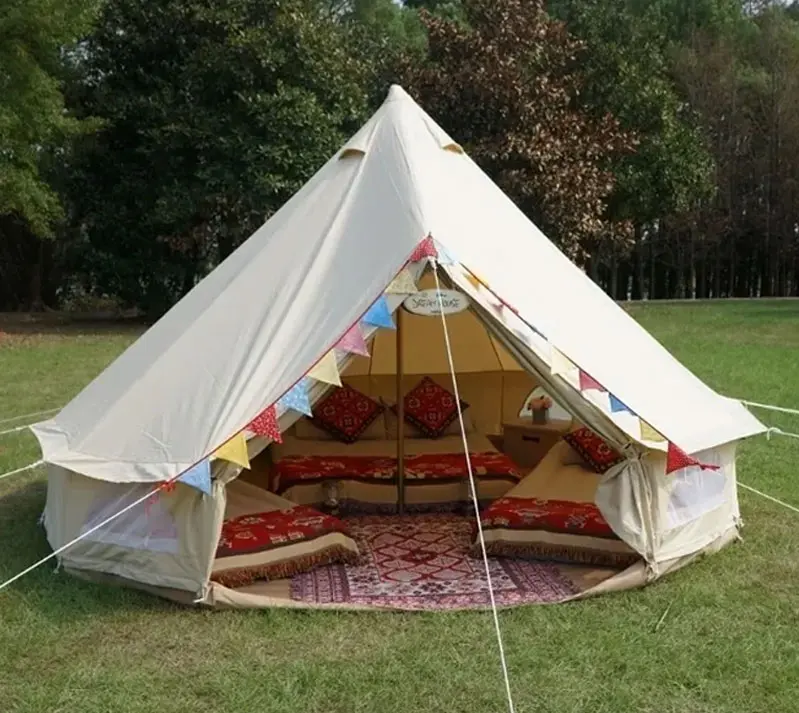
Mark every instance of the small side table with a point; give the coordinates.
(526, 443)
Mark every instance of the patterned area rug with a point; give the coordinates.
(422, 562)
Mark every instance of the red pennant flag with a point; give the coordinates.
(589, 382)
(423, 250)
(266, 425)
(677, 459)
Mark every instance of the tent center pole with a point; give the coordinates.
(400, 421)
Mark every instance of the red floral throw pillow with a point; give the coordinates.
(431, 408)
(346, 413)
(594, 449)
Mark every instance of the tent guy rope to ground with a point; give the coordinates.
(473, 493)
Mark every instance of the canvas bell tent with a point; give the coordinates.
(308, 307)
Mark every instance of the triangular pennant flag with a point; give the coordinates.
(589, 382)
(616, 405)
(423, 250)
(402, 284)
(265, 425)
(353, 341)
(326, 370)
(560, 364)
(234, 451)
(677, 459)
(650, 434)
(296, 399)
(379, 314)
(199, 477)
(445, 257)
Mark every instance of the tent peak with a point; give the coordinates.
(396, 93)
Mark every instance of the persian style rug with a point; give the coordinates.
(423, 562)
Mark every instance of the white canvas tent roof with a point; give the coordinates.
(251, 329)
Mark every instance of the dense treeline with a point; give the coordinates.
(141, 141)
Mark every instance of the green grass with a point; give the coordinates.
(730, 642)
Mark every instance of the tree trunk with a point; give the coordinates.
(638, 275)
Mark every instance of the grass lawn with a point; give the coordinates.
(730, 642)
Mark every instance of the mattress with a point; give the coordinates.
(365, 473)
(551, 515)
(265, 536)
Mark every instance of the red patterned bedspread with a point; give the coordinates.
(276, 528)
(295, 470)
(551, 515)
(438, 467)
(452, 466)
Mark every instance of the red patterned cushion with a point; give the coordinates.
(550, 515)
(346, 413)
(594, 449)
(279, 544)
(265, 530)
(431, 408)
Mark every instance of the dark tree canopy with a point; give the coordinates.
(506, 84)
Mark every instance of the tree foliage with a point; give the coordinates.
(505, 83)
(33, 121)
(215, 114)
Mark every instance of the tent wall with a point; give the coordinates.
(167, 543)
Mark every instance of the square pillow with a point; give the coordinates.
(345, 413)
(596, 452)
(411, 431)
(431, 408)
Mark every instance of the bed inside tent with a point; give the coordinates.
(364, 504)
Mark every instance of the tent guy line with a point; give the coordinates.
(29, 415)
(30, 466)
(473, 490)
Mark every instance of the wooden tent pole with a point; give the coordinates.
(400, 421)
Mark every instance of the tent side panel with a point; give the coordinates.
(694, 507)
(165, 543)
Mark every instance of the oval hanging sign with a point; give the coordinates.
(427, 304)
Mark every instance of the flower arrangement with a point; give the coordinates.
(541, 403)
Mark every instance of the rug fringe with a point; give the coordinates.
(242, 576)
(563, 553)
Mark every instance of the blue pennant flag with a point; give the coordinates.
(296, 399)
(445, 257)
(616, 405)
(379, 314)
(199, 477)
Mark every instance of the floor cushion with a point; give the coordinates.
(280, 543)
(562, 530)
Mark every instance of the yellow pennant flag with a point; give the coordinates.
(326, 370)
(402, 284)
(560, 364)
(650, 434)
(234, 451)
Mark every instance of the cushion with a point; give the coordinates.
(280, 543)
(306, 430)
(346, 413)
(431, 408)
(561, 530)
(411, 431)
(593, 448)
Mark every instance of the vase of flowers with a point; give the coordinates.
(539, 407)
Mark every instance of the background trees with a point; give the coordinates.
(142, 140)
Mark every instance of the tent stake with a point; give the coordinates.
(400, 421)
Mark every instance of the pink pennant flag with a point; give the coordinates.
(677, 459)
(353, 342)
(423, 250)
(265, 424)
(589, 382)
